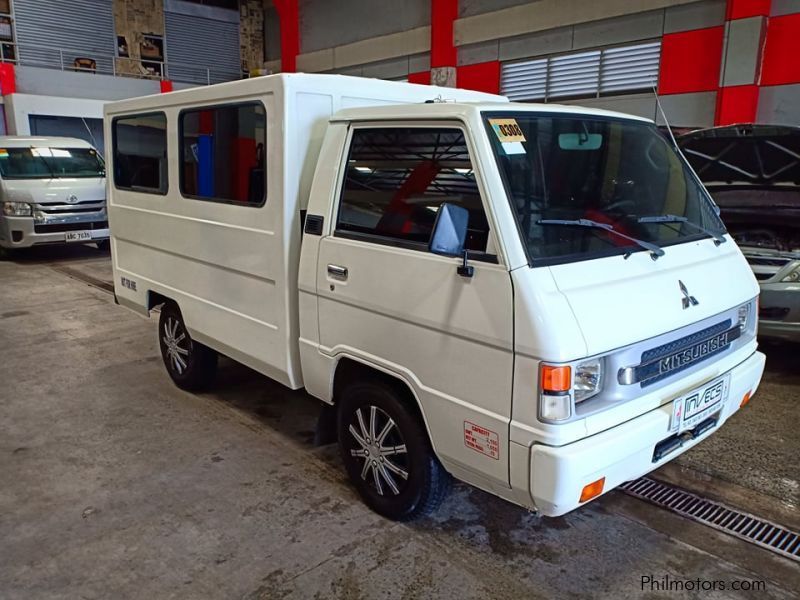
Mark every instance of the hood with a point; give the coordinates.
(618, 302)
(753, 155)
(55, 191)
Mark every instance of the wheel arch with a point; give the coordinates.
(349, 369)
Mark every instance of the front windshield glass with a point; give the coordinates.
(604, 171)
(45, 163)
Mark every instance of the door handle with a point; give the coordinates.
(337, 272)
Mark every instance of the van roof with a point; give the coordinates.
(461, 110)
(28, 141)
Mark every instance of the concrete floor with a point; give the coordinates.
(115, 484)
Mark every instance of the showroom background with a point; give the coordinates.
(714, 62)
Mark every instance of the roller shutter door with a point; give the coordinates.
(583, 74)
(202, 43)
(80, 28)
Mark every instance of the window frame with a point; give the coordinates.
(140, 189)
(181, 114)
(392, 242)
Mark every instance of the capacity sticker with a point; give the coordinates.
(482, 440)
(507, 130)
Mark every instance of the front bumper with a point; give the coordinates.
(21, 232)
(780, 311)
(624, 452)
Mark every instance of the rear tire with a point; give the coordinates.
(191, 365)
(387, 453)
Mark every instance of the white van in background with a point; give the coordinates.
(537, 299)
(52, 191)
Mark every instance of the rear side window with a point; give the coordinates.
(140, 153)
(396, 179)
(222, 154)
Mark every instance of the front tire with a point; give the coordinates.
(191, 365)
(387, 453)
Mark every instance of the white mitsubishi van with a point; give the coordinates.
(539, 300)
(52, 191)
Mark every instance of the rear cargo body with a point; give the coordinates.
(234, 268)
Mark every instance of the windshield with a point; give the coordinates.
(608, 171)
(46, 163)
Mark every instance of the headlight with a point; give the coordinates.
(588, 377)
(562, 386)
(744, 316)
(16, 209)
(793, 276)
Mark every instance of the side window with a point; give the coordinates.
(222, 153)
(398, 177)
(140, 153)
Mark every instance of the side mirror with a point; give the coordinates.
(450, 233)
(449, 230)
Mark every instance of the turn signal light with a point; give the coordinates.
(745, 400)
(556, 379)
(593, 490)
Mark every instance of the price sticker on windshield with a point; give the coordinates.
(507, 130)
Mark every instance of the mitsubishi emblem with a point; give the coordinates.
(688, 300)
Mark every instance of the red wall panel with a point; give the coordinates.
(166, 86)
(780, 64)
(690, 61)
(423, 77)
(443, 15)
(737, 104)
(483, 77)
(8, 79)
(741, 9)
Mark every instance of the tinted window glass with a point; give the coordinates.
(398, 177)
(41, 163)
(222, 154)
(140, 153)
(616, 173)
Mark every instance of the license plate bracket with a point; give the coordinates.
(696, 406)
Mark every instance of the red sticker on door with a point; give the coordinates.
(482, 440)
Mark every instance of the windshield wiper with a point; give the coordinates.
(718, 238)
(654, 250)
(46, 164)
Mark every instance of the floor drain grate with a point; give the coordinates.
(714, 514)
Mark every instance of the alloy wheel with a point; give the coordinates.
(379, 442)
(177, 344)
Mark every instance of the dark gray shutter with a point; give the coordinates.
(49, 30)
(202, 43)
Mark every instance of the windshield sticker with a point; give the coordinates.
(3, 153)
(513, 148)
(507, 130)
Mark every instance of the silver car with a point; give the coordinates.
(753, 173)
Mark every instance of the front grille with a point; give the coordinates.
(59, 227)
(755, 530)
(684, 343)
(60, 208)
(765, 267)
